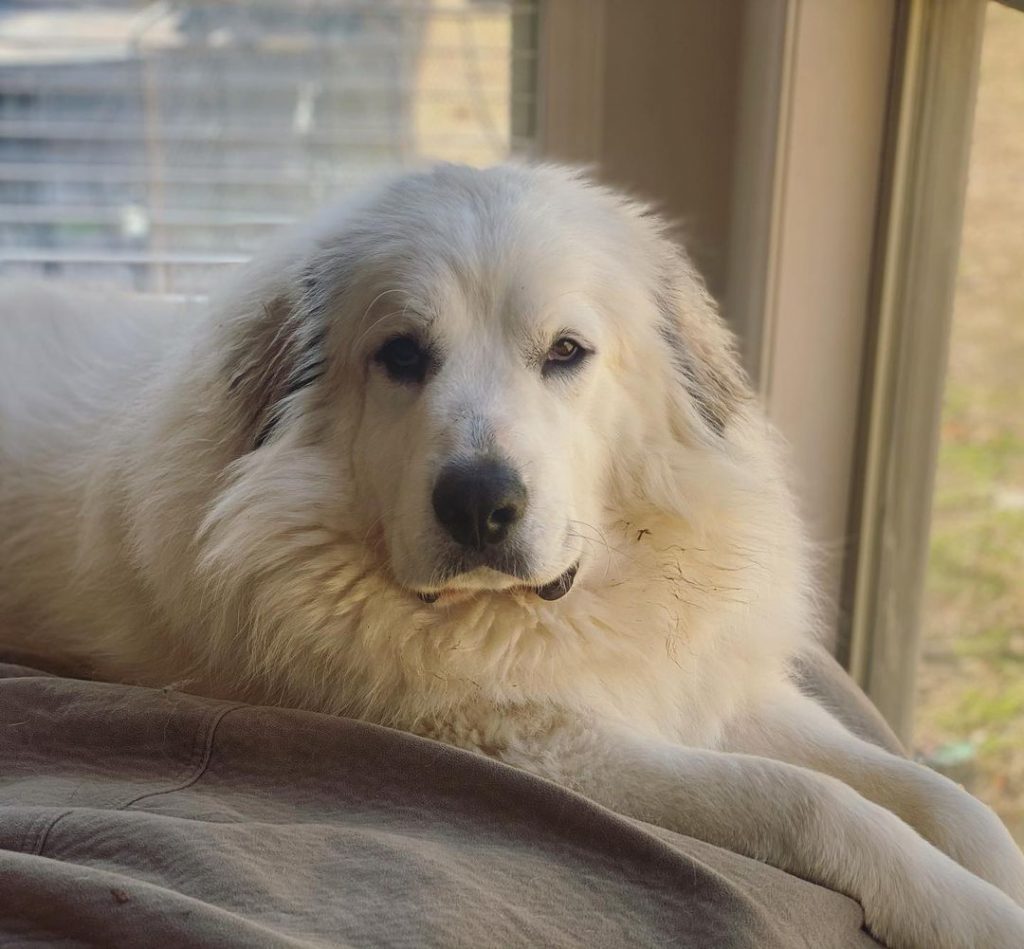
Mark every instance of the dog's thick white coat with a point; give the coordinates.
(234, 499)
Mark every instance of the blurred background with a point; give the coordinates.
(848, 176)
(154, 143)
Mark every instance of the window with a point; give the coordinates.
(933, 589)
(153, 144)
(969, 719)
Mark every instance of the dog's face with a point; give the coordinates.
(481, 444)
(483, 440)
(493, 354)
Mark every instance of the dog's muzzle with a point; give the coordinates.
(479, 502)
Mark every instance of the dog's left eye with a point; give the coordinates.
(565, 353)
(403, 358)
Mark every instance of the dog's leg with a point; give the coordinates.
(791, 727)
(807, 823)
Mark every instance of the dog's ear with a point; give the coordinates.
(701, 347)
(277, 351)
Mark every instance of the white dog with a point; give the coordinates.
(471, 457)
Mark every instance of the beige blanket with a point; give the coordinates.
(135, 817)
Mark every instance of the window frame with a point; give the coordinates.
(921, 216)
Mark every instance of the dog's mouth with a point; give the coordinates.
(558, 587)
(554, 590)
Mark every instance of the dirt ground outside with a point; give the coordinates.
(970, 711)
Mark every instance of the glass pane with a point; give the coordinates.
(154, 144)
(970, 706)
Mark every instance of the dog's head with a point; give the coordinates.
(492, 358)
(489, 404)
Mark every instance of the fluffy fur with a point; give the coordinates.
(234, 499)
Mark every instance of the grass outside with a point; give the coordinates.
(970, 711)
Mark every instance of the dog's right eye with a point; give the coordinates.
(403, 358)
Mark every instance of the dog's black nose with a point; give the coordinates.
(479, 502)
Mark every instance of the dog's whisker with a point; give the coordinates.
(380, 320)
(369, 308)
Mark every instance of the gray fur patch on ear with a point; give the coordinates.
(712, 414)
(281, 354)
(706, 366)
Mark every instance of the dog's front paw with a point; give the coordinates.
(970, 832)
(953, 911)
(988, 851)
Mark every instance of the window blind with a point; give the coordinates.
(154, 144)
